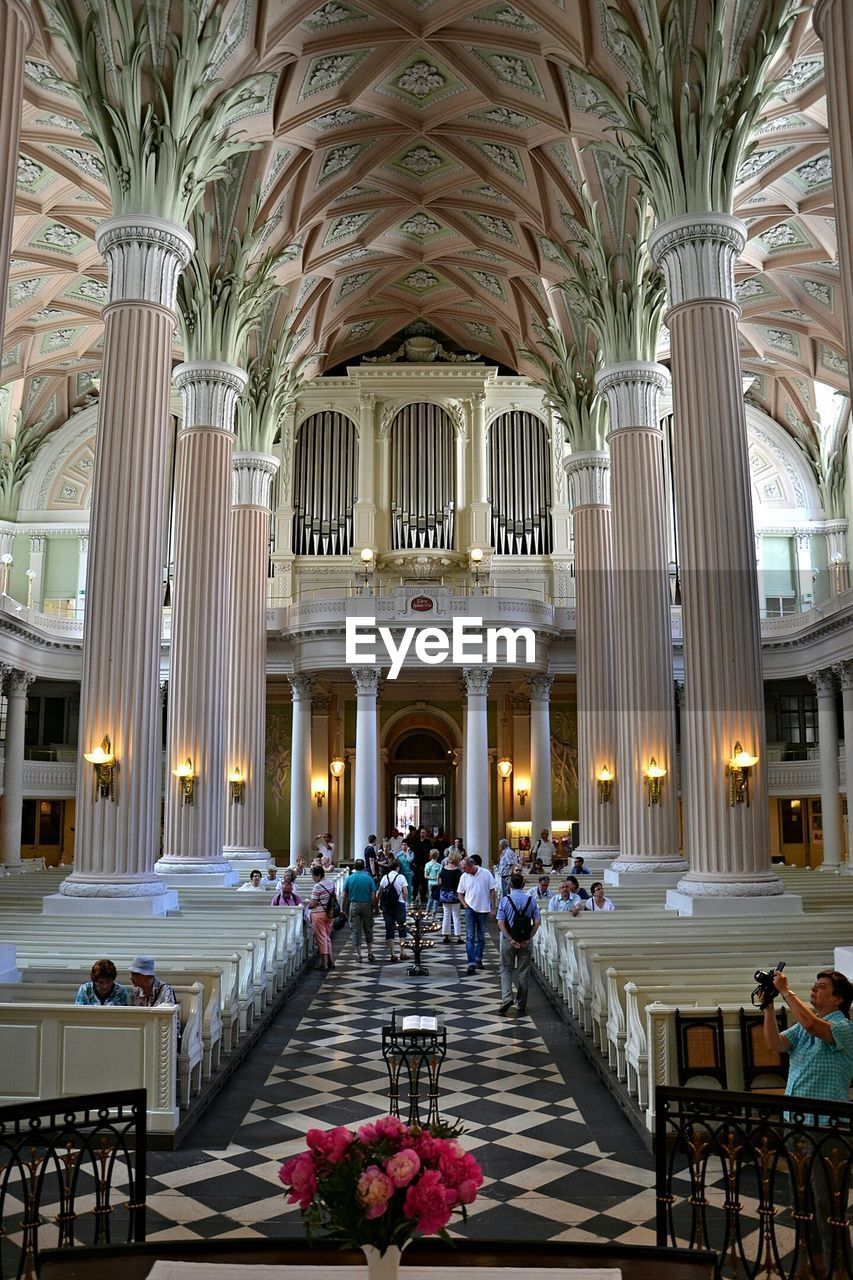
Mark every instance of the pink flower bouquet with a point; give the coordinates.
(382, 1184)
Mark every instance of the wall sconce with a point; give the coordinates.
(522, 795)
(104, 764)
(236, 786)
(740, 767)
(604, 778)
(184, 773)
(319, 796)
(337, 767)
(504, 767)
(367, 565)
(31, 573)
(655, 774)
(476, 560)
(6, 561)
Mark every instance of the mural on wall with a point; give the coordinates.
(564, 760)
(277, 778)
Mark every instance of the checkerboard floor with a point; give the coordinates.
(560, 1162)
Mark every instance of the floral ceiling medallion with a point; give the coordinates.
(422, 161)
(331, 70)
(512, 69)
(421, 81)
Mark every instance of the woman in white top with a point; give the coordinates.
(598, 902)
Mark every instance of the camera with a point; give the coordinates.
(765, 991)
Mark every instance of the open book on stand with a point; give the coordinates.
(412, 1022)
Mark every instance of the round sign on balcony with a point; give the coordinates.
(421, 604)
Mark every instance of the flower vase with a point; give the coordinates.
(382, 1266)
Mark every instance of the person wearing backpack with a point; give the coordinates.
(518, 921)
(322, 907)
(393, 896)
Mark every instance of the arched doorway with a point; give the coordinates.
(420, 780)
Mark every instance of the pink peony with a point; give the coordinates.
(425, 1202)
(403, 1166)
(375, 1189)
(331, 1144)
(429, 1149)
(300, 1175)
(384, 1127)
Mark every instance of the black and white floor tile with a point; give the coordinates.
(560, 1162)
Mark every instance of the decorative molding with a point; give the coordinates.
(824, 682)
(540, 686)
(697, 254)
(476, 680)
(632, 391)
(72, 888)
(589, 479)
(366, 680)
(144, 257)
(252, 475)
(209, 391)
(301, 686)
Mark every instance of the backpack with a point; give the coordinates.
(521, 925)
(332, 909)
(389, 898)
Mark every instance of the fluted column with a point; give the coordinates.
(827, 731)
(645, 706)
(727, 846)
(16, 31)
(364, 509)
(477, 762)
(844, 671)
(17, 684)
(300, 767)
(481, 511)
(589, 495)
(833, 22)
(198, 662)
(366, 780)
(117, 839)
(541, 798)
(252, 475)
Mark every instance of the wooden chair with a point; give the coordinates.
(759, 1062)
(700, 1048)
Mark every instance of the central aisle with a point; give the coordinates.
(560, 1161)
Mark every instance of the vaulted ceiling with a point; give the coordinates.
(420, 160)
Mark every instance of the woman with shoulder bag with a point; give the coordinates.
(448, 896)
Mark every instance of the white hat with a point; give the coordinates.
(143, 965)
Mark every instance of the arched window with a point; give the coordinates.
(520, 485)
(423, 478)
(324, 480)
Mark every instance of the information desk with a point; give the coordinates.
(135, 1262)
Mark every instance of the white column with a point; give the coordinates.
(300, 767)
(36, 570)
(645, 706)
(727, 846)
(830, 802)
(17, 684)
(835, 532)
(365, 781)
(16, 31)
(477, 762)
(480, 534)
(364, 510)
(844, 671)
(589, 489)
(117, 839)
(805, 578)
(541, 798)
(194, 833)
(833, 22)
(246, 717)
(82, 569)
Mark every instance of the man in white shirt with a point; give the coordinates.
(477, 895)
(253, 884)
(544, 847)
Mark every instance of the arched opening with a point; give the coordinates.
(420, 778)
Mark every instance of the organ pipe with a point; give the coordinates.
(325, 469)
(422, 478)
(520, 485)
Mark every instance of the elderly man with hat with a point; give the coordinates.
(147, 989)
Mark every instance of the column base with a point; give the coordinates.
(602, 855)
(159, 904)
(242, 854)
(768, 904)
(196, 872)
(664, 875)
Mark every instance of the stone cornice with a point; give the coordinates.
(697, 254)
(144, 257)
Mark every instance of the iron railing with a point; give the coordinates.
(72, 1171)
(762, 1179)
